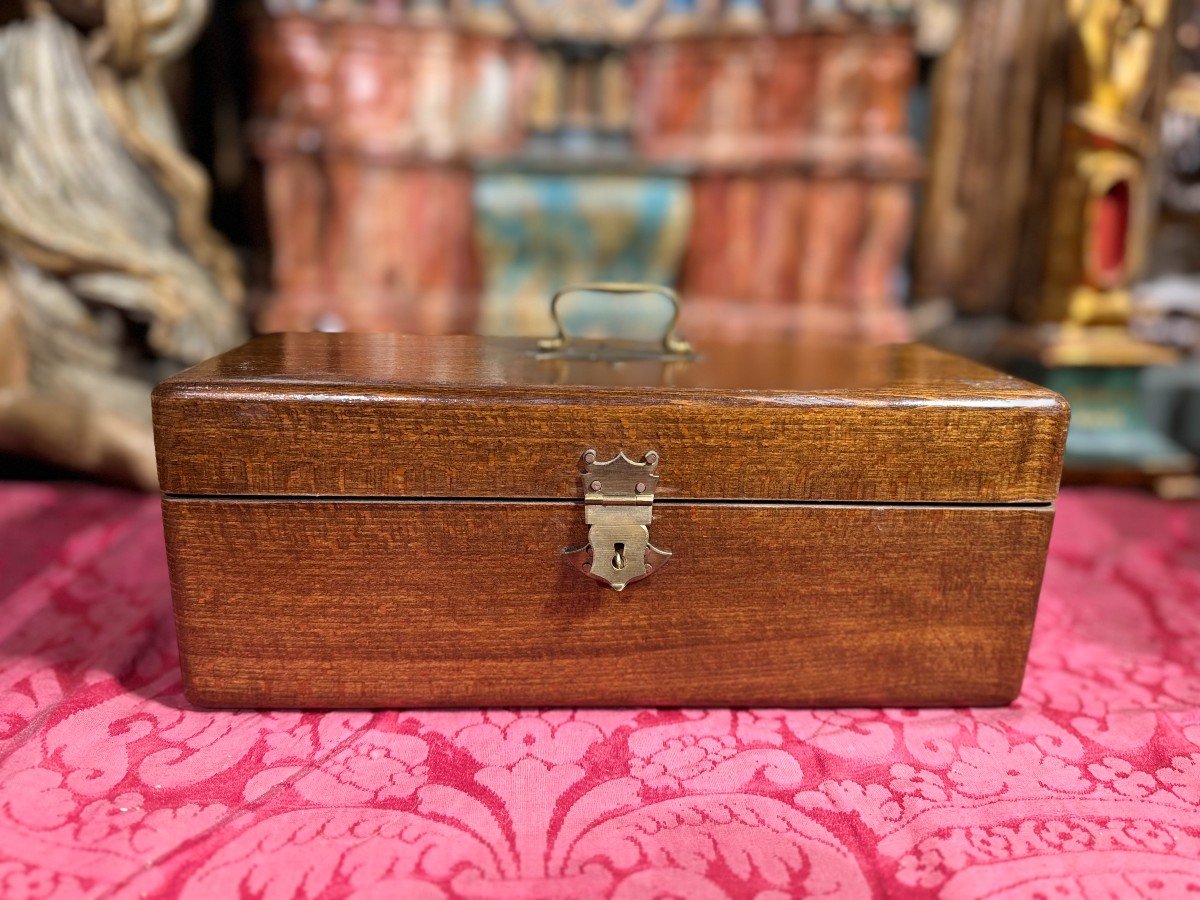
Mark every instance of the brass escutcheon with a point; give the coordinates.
(618, 507)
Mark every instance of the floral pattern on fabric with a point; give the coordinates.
(111, 785)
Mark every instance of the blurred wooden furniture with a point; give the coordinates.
(999, 97)
(382, 126)
(804, 171)
(366, 129)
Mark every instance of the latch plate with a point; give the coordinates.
(618, 507)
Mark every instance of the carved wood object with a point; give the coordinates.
(110, 276)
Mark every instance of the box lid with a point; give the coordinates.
(381, 415)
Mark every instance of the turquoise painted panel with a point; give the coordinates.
(1109, 425)
(536, 233)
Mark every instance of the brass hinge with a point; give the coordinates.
(618, 506)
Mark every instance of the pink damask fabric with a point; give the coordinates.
(112, 786)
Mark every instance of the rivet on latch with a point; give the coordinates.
(618, 509)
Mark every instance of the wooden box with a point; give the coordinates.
(368, 520)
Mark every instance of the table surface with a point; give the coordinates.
(111, 785)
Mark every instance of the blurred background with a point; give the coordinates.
(1017, 182)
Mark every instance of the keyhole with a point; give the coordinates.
(618, 561)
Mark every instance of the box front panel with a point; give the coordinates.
(307, 603)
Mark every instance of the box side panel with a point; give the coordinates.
(412, 604)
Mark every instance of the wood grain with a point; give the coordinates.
(308, 603)
(381, 415)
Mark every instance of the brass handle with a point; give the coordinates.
(672, 344)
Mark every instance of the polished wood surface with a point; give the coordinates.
(353, 603)
(380, 415)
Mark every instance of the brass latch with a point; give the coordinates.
(618, 500)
